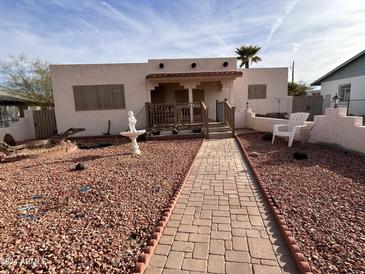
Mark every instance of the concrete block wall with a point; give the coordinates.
(338, 129)
(333, 128)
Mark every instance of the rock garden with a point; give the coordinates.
(322, 198)
(87, 210)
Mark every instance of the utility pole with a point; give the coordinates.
(292, 73)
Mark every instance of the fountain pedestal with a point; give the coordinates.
(133, 133)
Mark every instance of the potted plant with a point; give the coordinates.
(175, 130)
(155, 131)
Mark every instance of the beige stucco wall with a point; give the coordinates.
(184, 65)
(276, 80)
(137, 90)
(95, 122)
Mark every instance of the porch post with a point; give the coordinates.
(227, 86)
(190, 85)
(191, 104)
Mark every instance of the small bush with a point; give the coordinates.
(300, 155)
(267, 136)
(197, 130)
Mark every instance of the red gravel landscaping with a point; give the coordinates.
(322, 199)
(56, 220)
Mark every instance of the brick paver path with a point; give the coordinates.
(220, 223)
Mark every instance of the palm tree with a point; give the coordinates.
(247, 55)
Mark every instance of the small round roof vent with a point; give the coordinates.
(225, 64)
(193, 65)
(161, 65)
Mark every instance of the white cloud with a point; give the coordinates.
(279, 21)
(318, 35)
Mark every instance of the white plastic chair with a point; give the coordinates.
(296, 121)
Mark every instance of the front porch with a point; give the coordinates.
(190, 116)
(188, 101)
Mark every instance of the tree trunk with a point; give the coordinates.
(247, 64)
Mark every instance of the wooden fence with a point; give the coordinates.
(44, 123)
(312, 104)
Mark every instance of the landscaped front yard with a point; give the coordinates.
(322, 200)
(53, 218)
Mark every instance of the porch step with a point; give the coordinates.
(220, 135)
(219, 130)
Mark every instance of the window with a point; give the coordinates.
(99, 97)
(344, 92)
(256, 91)
(8, 115)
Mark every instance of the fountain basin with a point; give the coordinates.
(133, 136)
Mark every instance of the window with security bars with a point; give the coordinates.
(344, 92)
(257, 91)
(99, 97)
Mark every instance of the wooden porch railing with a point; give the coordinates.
(169, 115)
(204, 118)
(229, 116)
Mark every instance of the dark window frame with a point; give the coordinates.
(254, 92)
(99, 97)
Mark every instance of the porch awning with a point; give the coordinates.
(226, 73)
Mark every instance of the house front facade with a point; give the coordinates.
(348, 82)
(162, 92)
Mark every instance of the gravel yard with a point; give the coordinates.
(55, 219)
(322, 200)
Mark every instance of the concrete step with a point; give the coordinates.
(219, 129)
(216, 124)
(220, 135)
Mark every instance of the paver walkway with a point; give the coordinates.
(220, 223)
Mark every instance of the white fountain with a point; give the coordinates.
(133, 133)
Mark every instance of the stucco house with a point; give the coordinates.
(163, 92)
(348, 82)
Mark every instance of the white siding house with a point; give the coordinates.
(348, 82)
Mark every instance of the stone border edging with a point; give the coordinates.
(145, 257)
(301, 262)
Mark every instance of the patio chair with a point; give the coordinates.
(296, 121)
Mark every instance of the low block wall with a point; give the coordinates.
(333, 128)
(21, 130)
(338, 129)
(261, 123)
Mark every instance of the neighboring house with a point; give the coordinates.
(162, 92)
(348, 82)
(14, 118)
(11, 108)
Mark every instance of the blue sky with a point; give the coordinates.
(317, 34)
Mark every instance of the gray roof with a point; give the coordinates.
(5, 96)
(355, 66)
